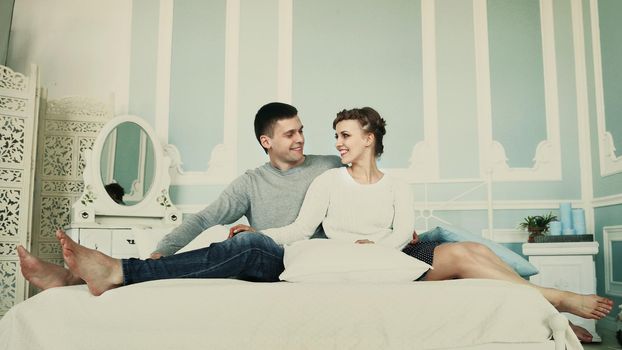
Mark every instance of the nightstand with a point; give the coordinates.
(567, 266)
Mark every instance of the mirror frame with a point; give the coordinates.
(95, 202)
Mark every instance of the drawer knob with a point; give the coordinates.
(131, 241)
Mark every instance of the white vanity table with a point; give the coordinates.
(567, 266)
(125, 153)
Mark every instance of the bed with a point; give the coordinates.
(232, 314)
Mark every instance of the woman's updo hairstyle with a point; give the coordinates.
(370, 121)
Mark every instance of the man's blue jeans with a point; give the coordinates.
(246, 256)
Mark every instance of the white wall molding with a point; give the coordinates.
(163, 64)
(607, 201)
(547, 159)
(611, 234)
(583, 113)
(285, 51)
(609, 163)
(222, 167)
(424, 157)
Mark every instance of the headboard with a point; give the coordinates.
(434, 197)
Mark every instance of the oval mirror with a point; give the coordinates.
(127, 164)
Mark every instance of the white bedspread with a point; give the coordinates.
(231, 314)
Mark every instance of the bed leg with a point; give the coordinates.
(559, 324)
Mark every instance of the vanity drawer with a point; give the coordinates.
(97, 239)
(123, 244)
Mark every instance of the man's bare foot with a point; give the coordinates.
(99, 271)
(581, 333)
(586, 306)
(43, 274)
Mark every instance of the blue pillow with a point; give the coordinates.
(517, 262)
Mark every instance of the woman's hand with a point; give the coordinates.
(364, 241)
(415, 239)
(239, 228)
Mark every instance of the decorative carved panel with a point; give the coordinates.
(11, 104)
(12, 140)
(9, 212)
(8, 279)
(82, 109)
(68, 127)
(8, 249)
(55, 213)
(51, 248)
(18, 116)
(11, 176)
(11, 80)
(84, 144)
(62, 186)
(58, 156)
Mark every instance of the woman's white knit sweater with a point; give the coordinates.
(381, 212)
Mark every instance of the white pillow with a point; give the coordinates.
(330, 260)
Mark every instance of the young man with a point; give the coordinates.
(268, 195)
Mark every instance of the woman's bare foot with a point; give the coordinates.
(586, 306)
(99, 271)
(581, 333)
(43, 274)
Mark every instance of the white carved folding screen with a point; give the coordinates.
(67, 127)
(18, 124)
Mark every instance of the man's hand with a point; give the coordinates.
(415, 238)
(155, 256)
(239, 228)
(364, 241)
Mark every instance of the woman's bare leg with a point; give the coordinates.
(473, 260)
(99, 271)
(43, 274)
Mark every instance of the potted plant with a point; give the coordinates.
(537, 225)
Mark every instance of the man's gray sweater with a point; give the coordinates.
(267, 196)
